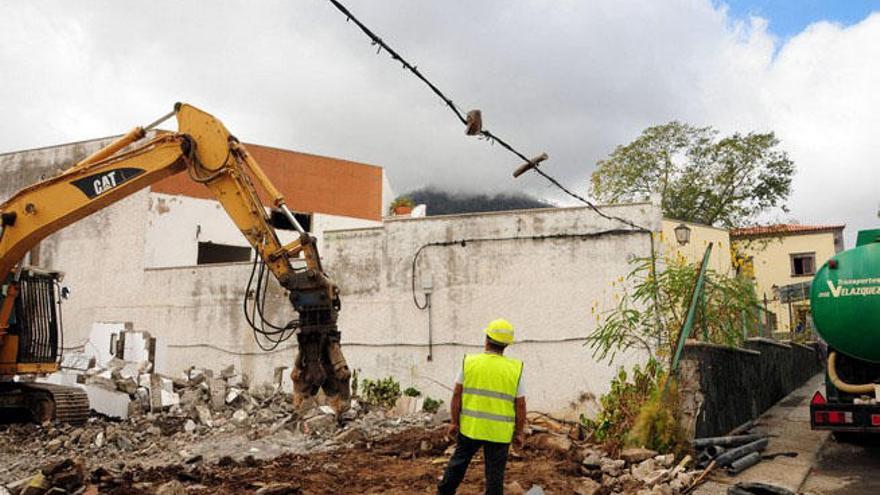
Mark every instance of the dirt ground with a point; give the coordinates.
(405, 463)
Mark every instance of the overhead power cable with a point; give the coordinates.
(473, 121)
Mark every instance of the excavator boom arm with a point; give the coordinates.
(213, 157)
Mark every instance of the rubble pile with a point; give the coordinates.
(210, 416)
(637, 471)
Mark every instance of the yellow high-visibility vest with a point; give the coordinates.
(488, 396)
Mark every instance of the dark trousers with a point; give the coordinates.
(495, 457)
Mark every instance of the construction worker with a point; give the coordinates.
(488, 410)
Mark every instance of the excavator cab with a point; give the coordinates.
(30, 345)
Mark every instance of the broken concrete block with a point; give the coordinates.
(588, 487)
(102, 340)
(172, 487)
(636, 455)
(136, 346)
(218, 393)
(78, 361)
(168, 399)
(283, 381)
(189, 426)
(320, 425)
(240, 416)
(644, 470)
(198, 376)
(162, 392)
(131, 369)
(232, 395)
(406, 406)
(550, 441)
(127, 385)
(110, 403)
(61, 377)
(204, 415)
(101, 380)
(190, 397)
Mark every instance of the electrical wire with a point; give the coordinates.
(488, 135)
(463, 242)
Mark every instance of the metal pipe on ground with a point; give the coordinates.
(714, 450)
(731, 455)
(727, 441)
(744, 463)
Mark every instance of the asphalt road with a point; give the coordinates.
(846, 467)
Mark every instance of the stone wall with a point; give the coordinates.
(724, 387)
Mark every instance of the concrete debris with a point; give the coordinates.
(109, 402)
(550, 441)
(189, 426)
(204, 415)
(636, 455)
(408, 405)
(66, 476)
(134, 429)
(172, 487)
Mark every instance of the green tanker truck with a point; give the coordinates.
(845, 302)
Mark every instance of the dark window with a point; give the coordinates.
(222, 253)
(803, 264)
(278, 220)
(771, 321)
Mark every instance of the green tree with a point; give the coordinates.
(700, 178)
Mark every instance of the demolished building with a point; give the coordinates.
(168, 262)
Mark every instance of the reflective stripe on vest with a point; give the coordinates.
(488, 397)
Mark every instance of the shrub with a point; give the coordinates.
(658, 425)
(431, 405)
(401, 201)
(383, 392)
(412, 392)
(622, 405)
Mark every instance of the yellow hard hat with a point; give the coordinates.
(500, 331)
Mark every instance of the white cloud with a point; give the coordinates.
(570, 78)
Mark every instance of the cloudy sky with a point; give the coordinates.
(572, 78)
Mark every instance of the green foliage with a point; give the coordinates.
(658, 424)
(412, 392)
(431, 405)
(383, 392)
(622, 404)
(646, 300)
(700, 178)
(404, 201)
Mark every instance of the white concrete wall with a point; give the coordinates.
(176, 225)
(545, 287)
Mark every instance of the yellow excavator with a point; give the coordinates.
(210, 155)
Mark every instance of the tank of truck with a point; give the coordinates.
(845, 299)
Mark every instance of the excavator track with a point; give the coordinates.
(58, 403)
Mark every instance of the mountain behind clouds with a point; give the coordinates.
(440, 202)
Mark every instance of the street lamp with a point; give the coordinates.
(682, 234)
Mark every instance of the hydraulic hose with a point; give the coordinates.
(867, 388)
